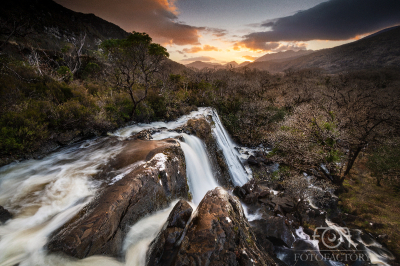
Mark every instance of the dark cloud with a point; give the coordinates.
(256, 45)
(158, 18)
(216, 32)
(331, 20)
(199, 58)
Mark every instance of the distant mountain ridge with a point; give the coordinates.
(378, 50)
(201, 65)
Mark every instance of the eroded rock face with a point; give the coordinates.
(159, 177)
(219, 234)
(164, 247)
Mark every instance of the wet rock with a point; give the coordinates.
(102, 225)
(5, 215)
(239, 192)
(219, 234)
(251, 187)
(284, 203)
(265, 194)
(251, 198)
(164, 247)
(275, 229)
(143, 135)
(253, 161)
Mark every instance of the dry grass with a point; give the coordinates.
(373, 204)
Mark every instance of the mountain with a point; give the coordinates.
(51, 23)
(245, 63)
(378, 50)
(231, 64)
(290, 54)
(201, 65)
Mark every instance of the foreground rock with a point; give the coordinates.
(219, 234)
(152, 174)
(5, 215)
(162, 250)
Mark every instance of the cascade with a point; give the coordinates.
(44, 194)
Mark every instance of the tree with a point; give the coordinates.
(367, 114)
(309, 141)
(324, 134)
(384, 161)
(135, 61)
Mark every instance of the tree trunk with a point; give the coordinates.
(133, 111)
(350, 163)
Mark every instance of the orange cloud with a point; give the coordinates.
(196, 49)
(210, 48)
(158, 18)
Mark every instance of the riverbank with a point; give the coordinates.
(372, 208)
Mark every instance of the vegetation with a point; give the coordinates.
(317, 123)
(375, 208)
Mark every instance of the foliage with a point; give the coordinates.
(135, 61)
(65, 73)
(384, 162)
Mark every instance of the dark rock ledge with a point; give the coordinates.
(102, 225)
(218, 234)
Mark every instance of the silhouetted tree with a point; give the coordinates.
(135, 61)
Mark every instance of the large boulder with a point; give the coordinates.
(154, 175)
(164, 247)
(275, 229)
(219, 234)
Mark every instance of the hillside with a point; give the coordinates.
(378, 50)
(201, 65)
(49, 22)
(290, 54)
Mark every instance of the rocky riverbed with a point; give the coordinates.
(167, 194)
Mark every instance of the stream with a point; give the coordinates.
(44, 194)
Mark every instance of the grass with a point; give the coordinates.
(373, 204)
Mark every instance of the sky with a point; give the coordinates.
(220, 31)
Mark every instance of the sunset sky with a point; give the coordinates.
(221, 31)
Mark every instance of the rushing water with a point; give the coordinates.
(44, 194)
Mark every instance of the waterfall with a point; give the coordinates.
(44, 194)
(236, 169)
(198, 168)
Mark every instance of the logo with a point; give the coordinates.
(337, 242)
(332, 238)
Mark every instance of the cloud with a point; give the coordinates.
(331, 20)
(249, 57)
(216, 32)
(291, 46)
(158, 18)
(196, 49)
(256, 45)
(209, 48)
(199, 58)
